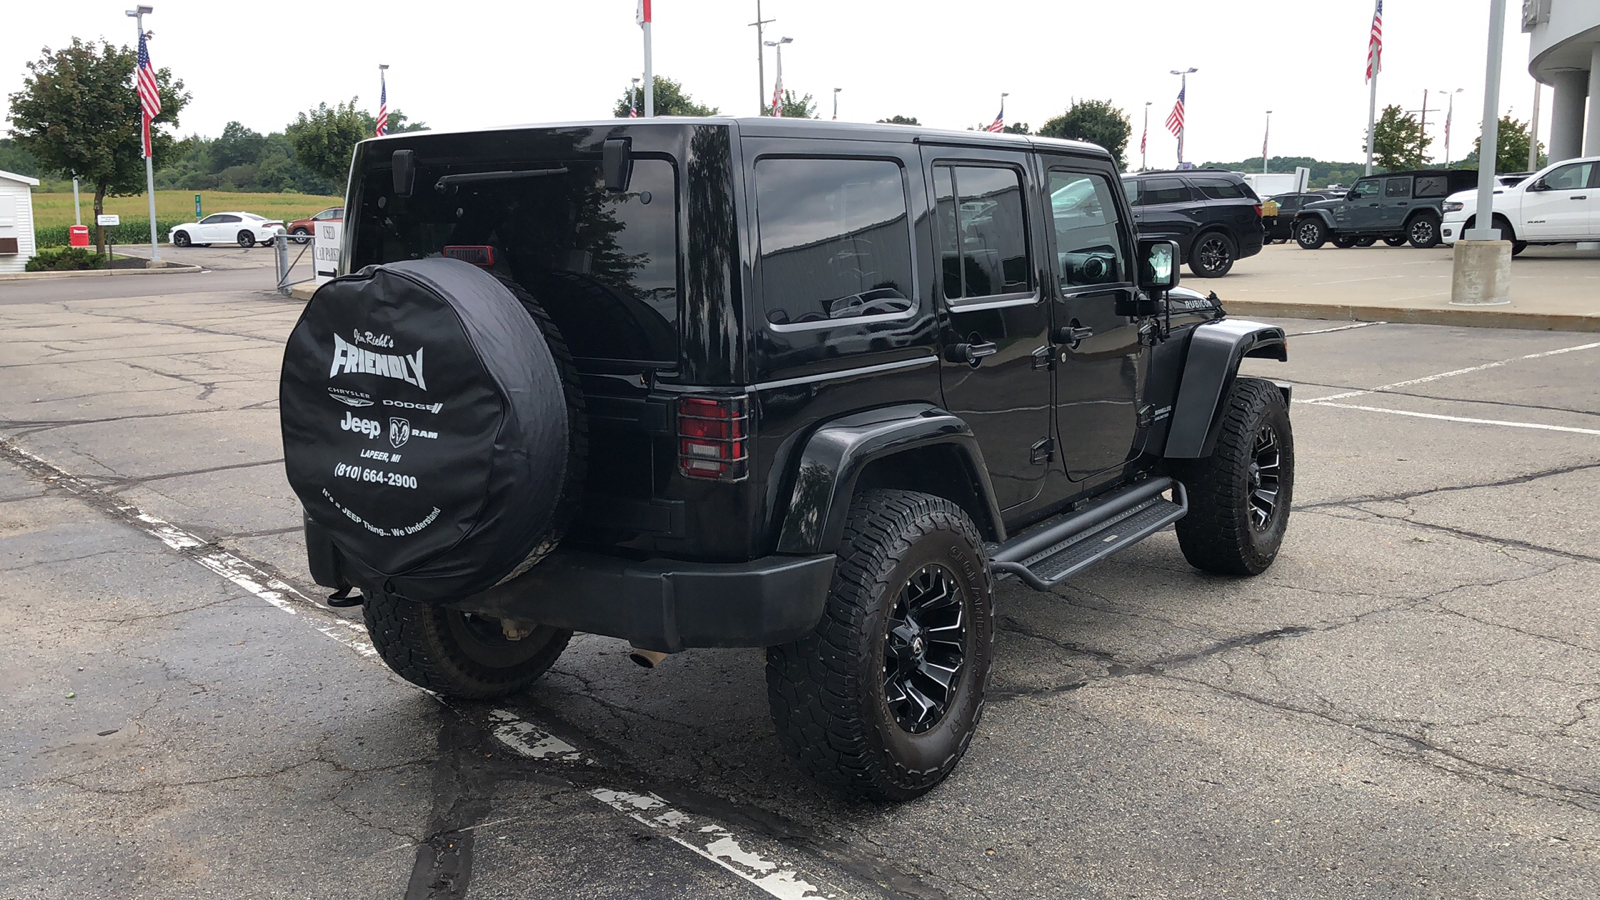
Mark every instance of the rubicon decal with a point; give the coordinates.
(368, 427)
(349, 358)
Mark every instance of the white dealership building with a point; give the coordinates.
(1565, 53)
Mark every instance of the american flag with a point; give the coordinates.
(999, 123)
(383, 107)
(1375, 43)
(1175, 119)
(1144, 137)
(149, 99)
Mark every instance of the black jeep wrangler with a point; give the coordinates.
(1396, 208)
(800, 385)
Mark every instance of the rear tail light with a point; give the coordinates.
(1258, 209)
(713, 438)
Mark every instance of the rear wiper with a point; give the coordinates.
(445, 181)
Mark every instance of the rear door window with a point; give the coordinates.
(1218, 188)
(835, 239)
(1397, 188)
(1164, 190)
(983, 233)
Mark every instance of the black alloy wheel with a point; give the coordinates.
(1310, 234)
(1265, 467)
(1423, 232)
(1213, 255)
(924, 651)
(180, 239)
(1395, 240)
(246, 240)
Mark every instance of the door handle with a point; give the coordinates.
(973, 351)
(1580, 197)
(1074, 334)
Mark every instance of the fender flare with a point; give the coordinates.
(1209, 369)
(839, 451)
(1324, 215)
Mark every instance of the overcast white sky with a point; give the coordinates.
(469, 63)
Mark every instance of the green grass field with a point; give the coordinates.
(55, 210)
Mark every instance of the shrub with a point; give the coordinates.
(128, 233)
(66, 259)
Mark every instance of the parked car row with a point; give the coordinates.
(1558, 204)
(246, 229)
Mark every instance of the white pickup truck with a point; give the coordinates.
(1558, 204)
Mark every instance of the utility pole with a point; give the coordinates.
(761, 56)
(138, 15)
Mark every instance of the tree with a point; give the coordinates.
(1511, 148)
(77, 114)
(1018, 128)
(16, 160)
(1397, 141)
(899, 120)
(802, 108)
(238, 146)
(325, 139)
(398, 123)
(670, 100)
(1095, 121)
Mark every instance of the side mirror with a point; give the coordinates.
(404, 163)
(1539, 186)
(1350, 196)
(1158, 265)
(616, 164)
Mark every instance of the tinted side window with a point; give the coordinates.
(1397, 188)
(221, 220)
(1088, 246)
(835, 242)
(983, 234)
(1219, 188)
(1165, 190)
(1432, 186)
(1366, 190)
(1290, 203)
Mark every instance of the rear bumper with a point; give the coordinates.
(668, 605)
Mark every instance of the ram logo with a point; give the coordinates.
(399, 432)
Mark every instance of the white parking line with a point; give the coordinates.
(1467, 371)
(705, 838)
(1464, 419)
(1340, 328)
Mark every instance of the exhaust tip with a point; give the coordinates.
(646, 658)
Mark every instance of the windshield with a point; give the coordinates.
(603, 265)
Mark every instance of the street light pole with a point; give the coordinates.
(138, 15)
(1488, 152)
(836, 103)
(777, 81)
(761, 56)
(1267, 135)
(1424, 125)
(1183, 92)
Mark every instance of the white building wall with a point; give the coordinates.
(16, 220)
(1564, 51)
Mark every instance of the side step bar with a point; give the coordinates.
(1054, 552)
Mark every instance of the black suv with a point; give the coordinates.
(1213, 215)
(807, 386)
(1396, 208)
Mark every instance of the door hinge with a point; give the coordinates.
(1044, 358)
(1042, 452)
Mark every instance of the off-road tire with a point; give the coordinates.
(1395, 240)
(455, 654)
(1212, 255)
(1423, 231)
(1222, 532)
(828, 691)
(1310, 234)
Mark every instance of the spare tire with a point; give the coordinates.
(432, 423)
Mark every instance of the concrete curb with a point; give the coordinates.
(86, 273)
(303, 291)
(1494, 317)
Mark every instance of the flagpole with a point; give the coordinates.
(1375, 61)
(649, 71)
(1145, 138)
(1266, 136)
(149, 162)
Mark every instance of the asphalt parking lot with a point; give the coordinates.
(1401, 707)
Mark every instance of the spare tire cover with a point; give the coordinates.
(425, 426)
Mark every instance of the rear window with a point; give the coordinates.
(603, 265)
(1222, 188)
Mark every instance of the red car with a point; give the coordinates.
(301, 229)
